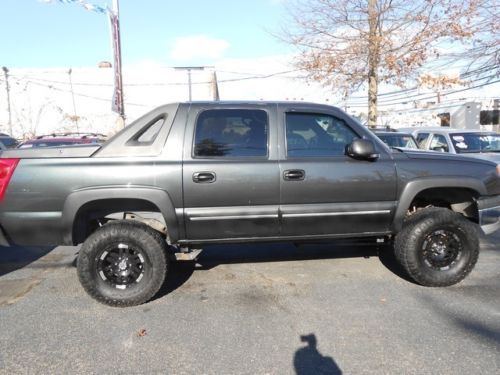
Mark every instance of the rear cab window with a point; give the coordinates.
(231, 133)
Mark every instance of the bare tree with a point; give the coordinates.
(482, 51)
(349, 44)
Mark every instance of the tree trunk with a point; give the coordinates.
(372, 96)
(373, 60)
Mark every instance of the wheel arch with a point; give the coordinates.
(81, 206)
(469, 187)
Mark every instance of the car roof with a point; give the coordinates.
(378, 132)
(452, 130)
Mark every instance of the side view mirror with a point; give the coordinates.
(363, 149)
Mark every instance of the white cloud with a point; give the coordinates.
(198, 46)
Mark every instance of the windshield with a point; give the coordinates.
(398, 140)
(475, 142)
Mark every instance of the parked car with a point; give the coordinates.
(475, 143)
(7, 141)
(64, 139)
(221, 172)
(397, 139)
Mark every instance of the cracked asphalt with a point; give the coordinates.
(253, 309)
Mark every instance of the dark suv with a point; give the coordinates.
(190, 174)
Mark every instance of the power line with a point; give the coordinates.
(416, 96)
(433, 96)
(80, 94)
(259, 76)
(461, 76)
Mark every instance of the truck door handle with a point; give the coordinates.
(201, 177)
(294, 174)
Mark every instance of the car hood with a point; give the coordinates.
(490, 156)
(432, 155)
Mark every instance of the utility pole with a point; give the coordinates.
(75, 117)
(215, 87)
(7, 87)
(189, 69)
(114, 18)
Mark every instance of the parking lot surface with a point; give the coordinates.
(253, 309)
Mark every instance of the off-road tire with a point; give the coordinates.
(130, 235)
(437, 229)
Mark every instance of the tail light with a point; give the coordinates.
(7, 167)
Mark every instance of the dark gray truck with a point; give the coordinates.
(190, 174)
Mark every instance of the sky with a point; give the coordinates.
(41, 39)
(44, 34)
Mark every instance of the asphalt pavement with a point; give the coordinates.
(253, 309)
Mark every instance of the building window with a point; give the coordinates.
(489, 117)
(445, 119)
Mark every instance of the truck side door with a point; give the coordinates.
(323, 191)
(231, 173)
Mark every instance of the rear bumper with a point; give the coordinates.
(31, 228)
(489, 213)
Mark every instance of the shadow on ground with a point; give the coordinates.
(215, 255)
(308, 360)
(16, 257)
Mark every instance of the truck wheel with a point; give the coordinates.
(123, 263)
(437, 247)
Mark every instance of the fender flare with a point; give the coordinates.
(414, 187)
(158, 197)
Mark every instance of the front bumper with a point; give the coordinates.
(489, 213)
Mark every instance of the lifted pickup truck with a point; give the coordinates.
(189, 174)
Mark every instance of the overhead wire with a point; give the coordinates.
(388, 98)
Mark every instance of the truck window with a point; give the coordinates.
(438, 143)
(231, 133)
(422, 139)
(150, 134)
(309, 134)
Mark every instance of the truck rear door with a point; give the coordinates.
(231, 172)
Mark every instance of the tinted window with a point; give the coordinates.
(398, 140)
(475, 142)
(231, 133)
(310, 134)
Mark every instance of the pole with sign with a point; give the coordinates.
(117, 104)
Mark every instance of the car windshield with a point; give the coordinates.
(475, 142)
(398, 140)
